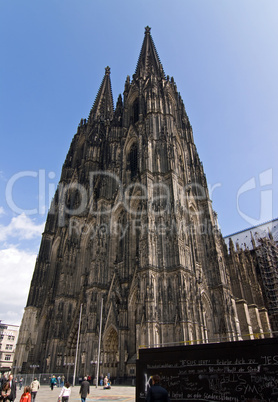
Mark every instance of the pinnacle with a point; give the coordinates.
(103, 107)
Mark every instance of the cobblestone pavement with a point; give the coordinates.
(116, 393)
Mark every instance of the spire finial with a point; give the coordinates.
(107, 70)
(147, 30)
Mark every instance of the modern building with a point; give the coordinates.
(131, 225)
(8, 339)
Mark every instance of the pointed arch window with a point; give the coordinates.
(121, 249)
(135, 110)
(137, 238)
(133, 160)
(120, 246)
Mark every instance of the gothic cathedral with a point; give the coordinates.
(132, 225)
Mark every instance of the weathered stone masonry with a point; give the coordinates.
(132, 223)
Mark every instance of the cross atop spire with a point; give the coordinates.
(147, 30)
(149, 62)
(103, 107)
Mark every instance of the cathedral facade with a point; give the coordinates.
(131, 227)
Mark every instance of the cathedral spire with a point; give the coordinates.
(149, 62)
(103, 107)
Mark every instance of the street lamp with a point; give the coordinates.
(77, 346)
(99, 340)
(34, 366)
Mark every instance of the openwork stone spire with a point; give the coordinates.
(103, 107)
(149, 62)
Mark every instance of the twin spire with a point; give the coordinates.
(148, 63)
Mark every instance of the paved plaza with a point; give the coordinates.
(116, 393)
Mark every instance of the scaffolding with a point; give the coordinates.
(267, 257)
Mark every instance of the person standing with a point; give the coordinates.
(35, 385)
(84, 389)
(157, 393)
(6, 392)
(13, 387)
(65, 392)
(62, 380)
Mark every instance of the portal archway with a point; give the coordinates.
(110, 351)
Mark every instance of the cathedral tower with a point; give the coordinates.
(132, 223)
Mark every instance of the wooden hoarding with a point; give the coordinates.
(231, 371)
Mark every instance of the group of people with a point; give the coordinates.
(57, 381)
(156, 392)
(106, 383)
(8, 390)
(66, 391)
(85, 387)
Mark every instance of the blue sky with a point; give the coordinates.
(223, 57)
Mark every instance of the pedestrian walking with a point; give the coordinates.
(20, 382)
(35, 385)
(84, 389)
(65, 392)
(53, 382)
(157, 393)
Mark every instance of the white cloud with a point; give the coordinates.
(22, 228)
(16, 265)
(16, 269)
(2, 211)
